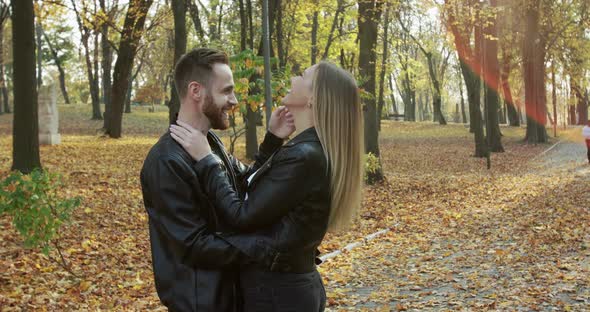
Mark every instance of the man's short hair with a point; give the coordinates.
(196, 65)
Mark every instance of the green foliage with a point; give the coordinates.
(248, 70)
(372, 164)
(35, 207)
(60, 38)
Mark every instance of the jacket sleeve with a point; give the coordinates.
(177, 216)
(282, 188)
(269, 145)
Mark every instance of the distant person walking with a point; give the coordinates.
(586, 134)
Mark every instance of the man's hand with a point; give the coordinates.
(282, 123)
(192, 140)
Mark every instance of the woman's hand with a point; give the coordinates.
(192, 140)
(282, 123)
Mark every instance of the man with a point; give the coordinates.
(194, 269)
(586, 134)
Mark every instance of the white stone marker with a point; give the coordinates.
(48, 116)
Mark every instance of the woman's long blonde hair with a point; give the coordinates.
(339, 124)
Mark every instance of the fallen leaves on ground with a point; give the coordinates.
(462, 237)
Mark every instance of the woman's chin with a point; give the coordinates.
(285, 102)
(290, 104)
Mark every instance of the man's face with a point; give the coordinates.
(220, 97)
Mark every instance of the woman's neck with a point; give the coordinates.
(303, 119)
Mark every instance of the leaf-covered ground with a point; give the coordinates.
(516, 237)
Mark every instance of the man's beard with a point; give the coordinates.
(214, 114)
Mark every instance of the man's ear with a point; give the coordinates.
(195, 91)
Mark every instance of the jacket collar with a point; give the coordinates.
(308, 135)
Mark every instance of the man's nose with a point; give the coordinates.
(233, 101)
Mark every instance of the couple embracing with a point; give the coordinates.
(230, 237)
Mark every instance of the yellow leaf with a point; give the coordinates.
(84, 285)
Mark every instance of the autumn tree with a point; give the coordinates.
(179, 13)
(4, 16)
(432, 71)
(407, 55)
(105, 22)
(384, 56)
(59, 49)
(491, 72)
(132, 32)
(508, 27)
(534, 74)
(469, 59)
(25, 133)
(368, 19)
(86, 20)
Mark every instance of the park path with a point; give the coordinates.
(501, 259)
(568, 154)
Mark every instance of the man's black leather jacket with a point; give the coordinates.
(194, 268)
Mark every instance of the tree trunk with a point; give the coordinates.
(473, 85)
(250, 24)
(420, 106)
(271, 28)
(85, 34)
(381, 101)
(219, 20)
(470, 68)
(179, 12)
(250, 117)
(279, 36)
(554, 98)
(3, 90)
(107, 59)
(513, 119)
(4, 15)
(463, 115)
(503, 110)
(571, 108)
(534, 77)
(25, 134)
(132, 80)
(492, 82)
(582, 109)
(409, 94)
(132, 29)
(425, 107)
(96, 86)
(393, 103)
(314, 37)
(39, 45)
(368, 17)
(243, 26)
(436, 97)
(96, 115)
(128, 97)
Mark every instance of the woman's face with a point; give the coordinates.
(301, 89)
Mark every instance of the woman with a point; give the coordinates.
(310, 185)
